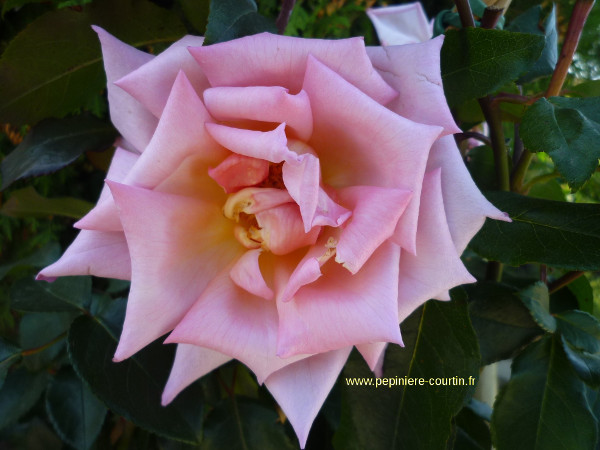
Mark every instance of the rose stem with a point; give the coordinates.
(564, 280)
(579, 15)
(284, 15)
(491, 16)
(464, 11)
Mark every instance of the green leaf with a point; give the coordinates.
(65, 73)
(568, 129)
(41, 258)
(132, 388)
(65, 294)
(28, 203)
(45, 333)
(9, 354)
(76, 414)
(542, 231)
(587, 365)
(440, 344)
(537, 300)
(196, 12)
(528, 22)
(502, 323)
(543, 406)
(231, 19)
(20, 392)
(583, 292)
(476, 62)
(472, 432)
(239, 423)
(53, 144)
(581, 329)
(481, 167)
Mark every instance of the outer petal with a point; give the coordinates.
(271, 60)
(191, 362)
(103, 254)
(393, 153)
(414, 71)
(401, 24)
(262, 103)
(374, 355)
(466, 208)
(375, 213)
(179, 135)
(177, 245)
(152, 82)
(437, 266)
(135, 123)
(341, 309)
(229, 320)
(301, 388)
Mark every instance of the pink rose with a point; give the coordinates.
(278, 201)
(401, 24)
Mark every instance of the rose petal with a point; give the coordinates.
(374, 355)
(328, 212)
(466, 208)
(191, 362)
(262, 103)
(375, 213)
(179, 134)
(282, 229)
(414, 71)
(437, 266)
(271, 60)
(341, 309)
(151, 83)
(301, 178)
(247, 275)
(130, 117)
(177, 245)
(238, 171)
(401, 24)
(230, 320)
(301, 388)
(268, 145)
(103, 254)
(397, 147)
(309, 267)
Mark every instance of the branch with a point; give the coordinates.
(581, 10)
(564, 280)
(464, 11)
(284, 15)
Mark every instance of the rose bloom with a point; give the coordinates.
(277, 201)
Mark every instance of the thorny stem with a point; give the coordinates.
(564, 280)
(284, 15)
(579, 15)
